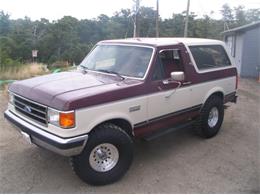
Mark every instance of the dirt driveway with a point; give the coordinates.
(177, 163)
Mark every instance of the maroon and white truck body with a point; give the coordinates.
(159, 83)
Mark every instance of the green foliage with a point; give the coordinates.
(70, 39)
(4, 23)
(238, 16)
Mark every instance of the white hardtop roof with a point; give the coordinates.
(163, 41)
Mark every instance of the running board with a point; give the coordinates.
(160, 133)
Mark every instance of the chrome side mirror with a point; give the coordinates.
(178, 76)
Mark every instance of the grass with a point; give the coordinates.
(20, 72)
(23, 71)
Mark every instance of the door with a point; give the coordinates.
(169, 96)
(238, 53)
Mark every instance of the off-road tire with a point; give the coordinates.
(105, 133)
(203, 128)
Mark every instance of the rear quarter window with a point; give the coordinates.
(210, 56)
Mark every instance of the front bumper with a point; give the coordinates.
(63, 146)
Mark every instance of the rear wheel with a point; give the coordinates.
(107, 156)
(211, 117)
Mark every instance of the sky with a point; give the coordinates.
(89, 9)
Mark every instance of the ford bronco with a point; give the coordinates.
(123, 89)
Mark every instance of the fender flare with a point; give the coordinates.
(109, 117)
(211, 92)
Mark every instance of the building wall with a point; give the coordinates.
(244, 48)
(234, 44)
(251, 53)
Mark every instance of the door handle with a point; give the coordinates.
(166, 82)
(179, 84)
(186, 83)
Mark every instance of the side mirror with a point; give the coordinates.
(178, 76)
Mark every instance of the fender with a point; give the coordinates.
(106, 117)
(211, 91)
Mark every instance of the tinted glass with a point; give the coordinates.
(158, 73)
(210, 56)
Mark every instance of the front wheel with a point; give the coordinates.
(211, 117)
(107, 156)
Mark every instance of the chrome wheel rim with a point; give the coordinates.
(213, 117)
(104, 157)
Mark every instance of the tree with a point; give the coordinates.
(253, 15)
(147, 22)
(173, 27)
(4, 24)
(227, 16)
(70, 39)
(240, 15)
(121, 25)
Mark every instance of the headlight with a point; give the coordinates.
(61, 119)
(53, 117)
(11, 98)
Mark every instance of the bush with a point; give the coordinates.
(8, 62)
(60, 64)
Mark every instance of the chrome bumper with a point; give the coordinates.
(63, 146)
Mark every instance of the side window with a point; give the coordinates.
(158, 73)
(171, 61)
(210, 56)
(167, 61)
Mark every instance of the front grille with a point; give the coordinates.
(32, 110)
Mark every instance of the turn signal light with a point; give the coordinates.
(67, 120)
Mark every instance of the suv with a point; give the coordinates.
(123, 89)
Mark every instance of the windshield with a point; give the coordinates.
(125, 60)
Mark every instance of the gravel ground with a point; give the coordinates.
(180, 162)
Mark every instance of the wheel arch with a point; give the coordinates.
(123, 123)
(215, 91)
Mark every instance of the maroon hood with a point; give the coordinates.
(72, 90)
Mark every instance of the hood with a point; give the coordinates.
(61, 90)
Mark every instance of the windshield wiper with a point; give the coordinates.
(84, 68)
(111, 72)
